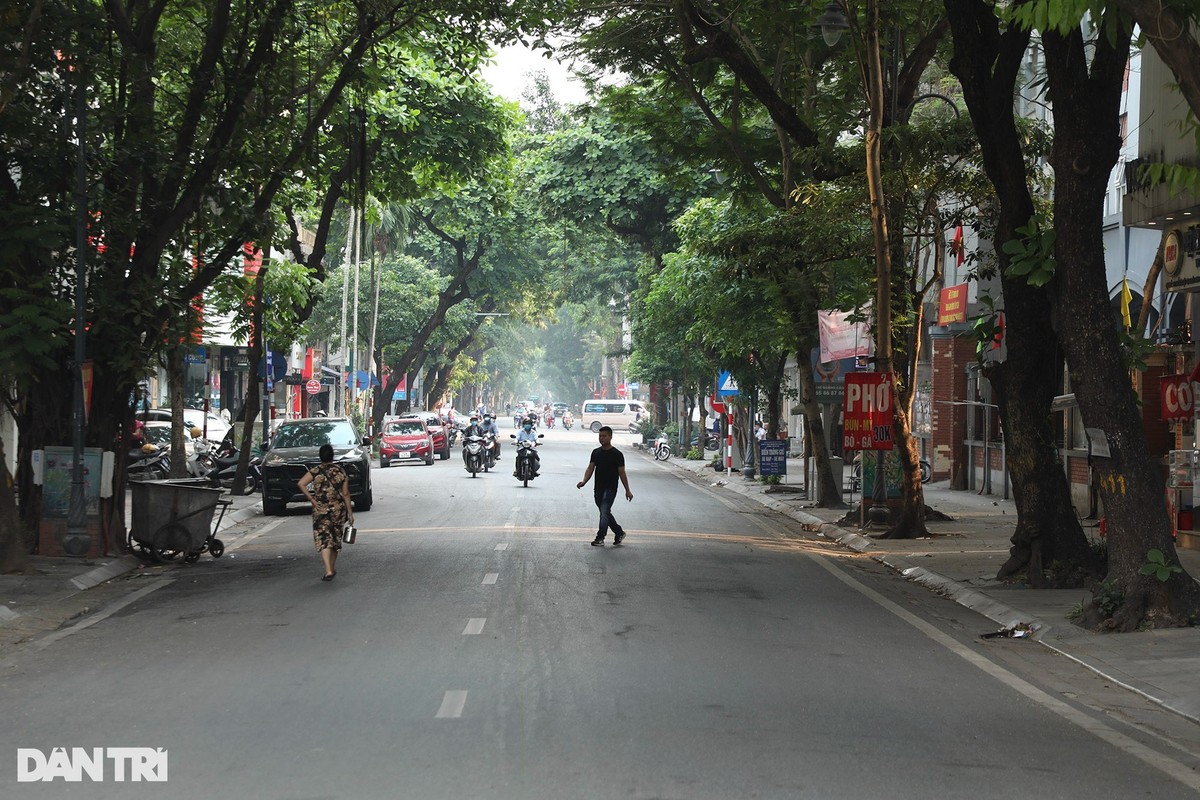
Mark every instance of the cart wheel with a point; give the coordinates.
(217, 548)
(171, 541)
(191, 558)
(165, 554)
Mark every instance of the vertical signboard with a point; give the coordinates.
(772, 457)
(867, 422)
(1178, 401)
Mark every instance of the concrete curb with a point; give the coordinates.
(105, 572)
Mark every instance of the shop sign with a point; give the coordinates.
(867, 416)
(1178, 397)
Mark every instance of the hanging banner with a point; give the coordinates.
(952, 304)
(1178, 399)
(867, 415)
(841, 339)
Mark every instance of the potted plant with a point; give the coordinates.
(645, 426)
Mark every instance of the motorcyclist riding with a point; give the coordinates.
(526, 434)
(489, 427)
(474, 429)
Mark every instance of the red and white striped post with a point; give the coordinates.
(729, 445)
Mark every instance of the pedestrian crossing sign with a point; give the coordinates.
(726, 385)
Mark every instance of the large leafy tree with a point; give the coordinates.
(1085, 78)
(988, 58)
(202, 119)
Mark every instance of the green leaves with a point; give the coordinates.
(1157, 565)
(1032, 255)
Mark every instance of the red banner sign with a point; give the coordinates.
(952, 304)
(1178, 399)
(867, 417)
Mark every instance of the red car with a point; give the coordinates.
(441, 442)
(405, 440)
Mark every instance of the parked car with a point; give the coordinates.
(405, 440)
(441, 438)
(192, 418)
(294, 449)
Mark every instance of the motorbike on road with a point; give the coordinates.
(473, 454)
(491, 448)
(527, 461)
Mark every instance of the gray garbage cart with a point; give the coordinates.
(173, 518)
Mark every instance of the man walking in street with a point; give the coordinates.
(609, 465)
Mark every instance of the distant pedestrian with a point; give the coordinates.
(760, 432)
(328, 489)
(609, 465)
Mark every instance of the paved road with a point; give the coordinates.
(474, 645)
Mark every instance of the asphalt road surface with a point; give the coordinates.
(473, 645)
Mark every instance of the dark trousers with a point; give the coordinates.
(604, 501)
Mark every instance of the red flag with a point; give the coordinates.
(956, 247)
(307, 372)
(998, 338)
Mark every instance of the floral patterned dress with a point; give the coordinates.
(329, 510)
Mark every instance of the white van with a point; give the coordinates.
(617, 414)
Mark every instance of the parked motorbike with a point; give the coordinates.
(662, 448)
(149, 463)
(199, 463)
(224, 470)
(527, 461)
(473, 454)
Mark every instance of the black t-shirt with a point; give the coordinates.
(607, 463)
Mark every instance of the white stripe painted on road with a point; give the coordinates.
(513, 516)
(490, 578)
(452, 704)
(46, 641)
(1179, 771)
(236, 543)
(502, 546)
(474, 626)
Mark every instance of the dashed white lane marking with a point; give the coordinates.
(513, 516)
(502, 546)
(490, 578)
(474, 626)
(452, 704)
(1180, 772)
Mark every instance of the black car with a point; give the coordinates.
(294, 448)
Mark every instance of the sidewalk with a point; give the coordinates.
(65, 589)
(961, 560)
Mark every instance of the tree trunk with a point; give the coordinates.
(253, 398)
(1086, 86)
(829, 489)
(987, 64)
(175, 386)
(14, 551)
